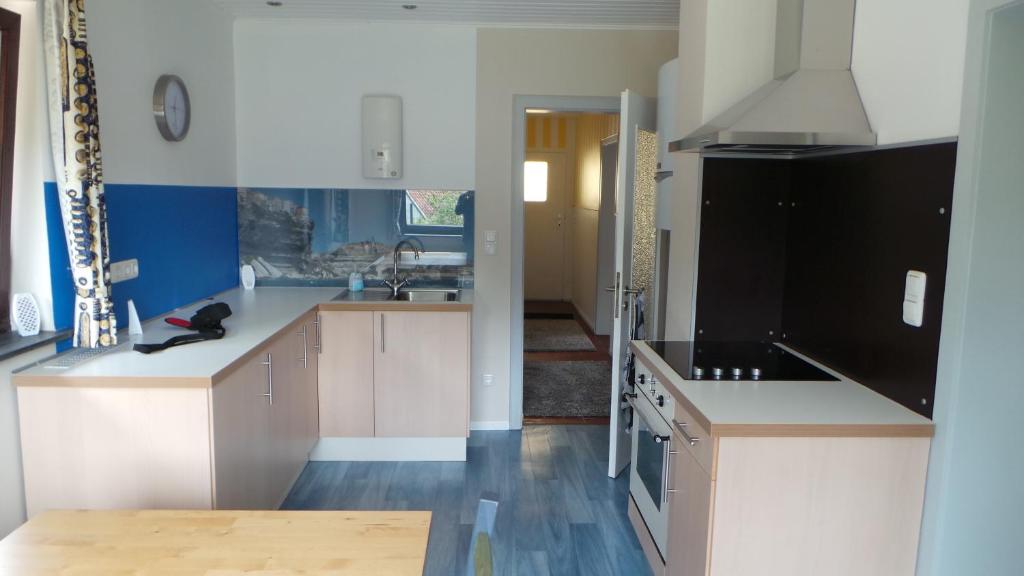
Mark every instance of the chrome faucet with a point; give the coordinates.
(396, 283)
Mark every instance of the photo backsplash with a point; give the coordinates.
(317, 236)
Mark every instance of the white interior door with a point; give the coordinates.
(544, 239)
(637, 113)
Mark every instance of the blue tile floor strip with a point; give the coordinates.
(558, 512)
(185, 238)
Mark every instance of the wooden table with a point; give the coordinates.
(221, 543)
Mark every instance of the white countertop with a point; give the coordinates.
(727, 403)
(256, 316)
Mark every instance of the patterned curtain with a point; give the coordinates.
(75, 137)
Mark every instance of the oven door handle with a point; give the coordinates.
(667, 464)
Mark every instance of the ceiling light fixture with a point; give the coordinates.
(409, 6)
(275, 3)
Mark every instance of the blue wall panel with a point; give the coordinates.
(185, 238)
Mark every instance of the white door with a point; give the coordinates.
(544, 263)
(637, 113)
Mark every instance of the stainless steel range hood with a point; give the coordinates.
(811, 106)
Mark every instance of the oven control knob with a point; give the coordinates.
(661, 401)
(698, 372)
(737, 373)
(755, 373)
(643, 378)
(717, 372)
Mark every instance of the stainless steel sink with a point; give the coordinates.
(429, 295)
(423, 295)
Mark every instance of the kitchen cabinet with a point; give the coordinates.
(689, 516)
(395, 374)
(760, 486)
(421, 374)
(237, 443)
(346, 373)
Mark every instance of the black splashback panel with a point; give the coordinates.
(861, 221)
(741, 262)
(818, 249)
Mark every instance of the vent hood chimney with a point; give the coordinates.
(812, 105)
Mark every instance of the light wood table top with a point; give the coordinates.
(217, 543)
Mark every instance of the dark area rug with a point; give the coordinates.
(566, 389)
(546, 335)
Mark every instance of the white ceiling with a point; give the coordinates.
(630, 14)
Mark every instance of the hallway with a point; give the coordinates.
(566, 367)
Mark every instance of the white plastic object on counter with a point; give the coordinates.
(25, 313)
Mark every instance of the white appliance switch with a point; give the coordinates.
(913, 298)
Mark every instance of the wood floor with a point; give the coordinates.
(558, 514)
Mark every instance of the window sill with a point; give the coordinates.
(12, 345)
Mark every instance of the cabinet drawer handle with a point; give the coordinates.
(269, 363)
(316, 323)
(681, 426)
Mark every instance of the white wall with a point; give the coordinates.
(299, 91)
(908, 60)
(133, 42)
(514, 62)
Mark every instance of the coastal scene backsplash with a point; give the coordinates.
(318, 237)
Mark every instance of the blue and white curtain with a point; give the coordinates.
(78, 164)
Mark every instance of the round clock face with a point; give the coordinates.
(172, 108)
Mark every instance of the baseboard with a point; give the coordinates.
(389, 450)
(590, 322)
(489, 425)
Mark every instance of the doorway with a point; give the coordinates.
(566, 360)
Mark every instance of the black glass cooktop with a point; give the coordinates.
(736, 361)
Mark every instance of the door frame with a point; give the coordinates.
(948, 387)
(592, 104)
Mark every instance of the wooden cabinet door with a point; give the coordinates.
(241, 436)
(421, 374)
(345, 368)
(311, 409)
(285, 415)
(689, 520)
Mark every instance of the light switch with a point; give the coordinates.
(490, 242)
(491, 236)
(913, 298)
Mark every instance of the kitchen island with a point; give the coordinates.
(229, 423)
(774, 477)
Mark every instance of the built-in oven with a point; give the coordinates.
(649, 467)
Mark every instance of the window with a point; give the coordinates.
(435, 212)
(535, 182)
(10, 32)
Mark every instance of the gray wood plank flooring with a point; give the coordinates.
(558, 511)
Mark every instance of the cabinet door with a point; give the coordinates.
(241, 434)
(311, 409)
(421, 374)
(345, 380)
(689, 518)
(287, 414)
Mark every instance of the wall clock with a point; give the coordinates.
(172, 108)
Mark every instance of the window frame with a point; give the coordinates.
(10, 41)
(426, 229)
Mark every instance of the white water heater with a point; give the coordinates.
(382, 136)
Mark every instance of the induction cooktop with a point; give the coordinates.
(736, 361)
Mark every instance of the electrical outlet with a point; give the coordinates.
(124, 270)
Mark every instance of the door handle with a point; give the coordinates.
(305, 353)
(316, 323)
(269, 363)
